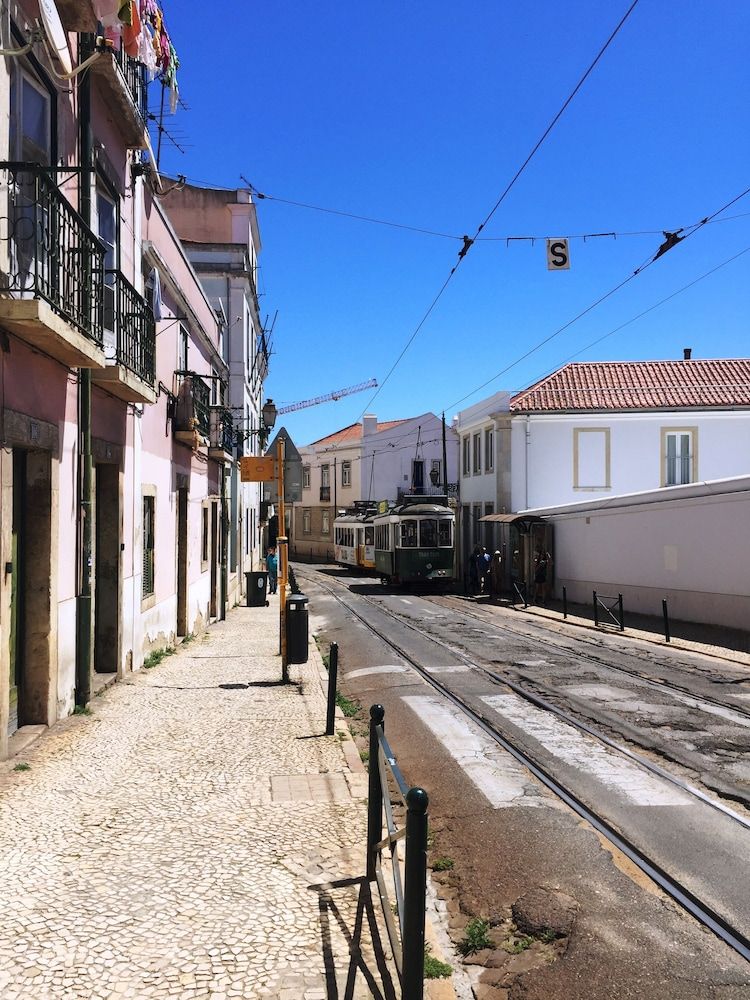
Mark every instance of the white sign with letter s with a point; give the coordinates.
(558, 256)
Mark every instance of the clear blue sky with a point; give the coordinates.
(421, 113)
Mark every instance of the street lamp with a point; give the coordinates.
(268, 413)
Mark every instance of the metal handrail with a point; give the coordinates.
(194, 395)
(386, 782)
(134, 327)
(133, 73)
(600, 602)
(222, 435)
(51, 253)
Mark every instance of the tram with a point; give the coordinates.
(414, 541)
(354, 539)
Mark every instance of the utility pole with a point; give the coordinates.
(445, 462)
(281, 542)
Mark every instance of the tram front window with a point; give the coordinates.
(408, 534)
(428, 533)
(444, 534)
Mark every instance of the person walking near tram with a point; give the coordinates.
(495, 575)
(542, 574)
(272, 565)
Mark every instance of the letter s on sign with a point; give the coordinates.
(558, 257)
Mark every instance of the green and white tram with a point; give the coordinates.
(414, 542)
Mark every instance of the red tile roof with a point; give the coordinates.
(639, 385)
(353, 433)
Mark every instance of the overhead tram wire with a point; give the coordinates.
(468, 242)
(671, 240)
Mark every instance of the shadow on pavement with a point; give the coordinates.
(375, 971)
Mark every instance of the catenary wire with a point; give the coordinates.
(602, 298)
(467, 241)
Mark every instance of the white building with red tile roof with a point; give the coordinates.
(598, 429)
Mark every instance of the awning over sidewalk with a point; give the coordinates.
(512, 518)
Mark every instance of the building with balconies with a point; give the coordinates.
(117, 445)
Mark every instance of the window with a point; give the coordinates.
(489, 449)
(305, 477)
(106, 229)
(149, 547)
(408, 534)
(383, 537)
(216, 388)
(591, 458)
(325, 528)
(204, 535)
(477, 455)
(417, 475)
(489, 528)
(325, 476)
(436, 476)
(369, 534)
(306, 521)
(476, 513)
(182, 349)
(445, 533)
(428, 533)
(30, 119)
(466, 456)
(346, 473)
(678, 446)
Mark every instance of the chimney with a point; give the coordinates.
(686, 353)
(369, 424)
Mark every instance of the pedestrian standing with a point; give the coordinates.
(496, 575)
(474, 577)
(542, 574)
(272, 565)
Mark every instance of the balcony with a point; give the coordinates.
(51, 269)
(325, 494)
(221, 442)
(129, 342)
(192, 421)
(426, 491)
(122, 82)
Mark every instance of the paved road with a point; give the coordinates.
(507, 836)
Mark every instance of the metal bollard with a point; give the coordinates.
(666, 619)
(596, 611)
(415, 886)
(622, 616)
(333, 675)
(565, 602)
(374, 792)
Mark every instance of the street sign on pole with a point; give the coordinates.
(558, 255)
(257, 470)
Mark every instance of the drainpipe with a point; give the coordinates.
(84, 624)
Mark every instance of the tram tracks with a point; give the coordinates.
(672, 884)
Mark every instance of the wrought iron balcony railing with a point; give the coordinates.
(134, 74)
(129, 315)
(50, 252)
(193, 399)
(222, 429)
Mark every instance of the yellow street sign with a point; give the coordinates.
(257, 470)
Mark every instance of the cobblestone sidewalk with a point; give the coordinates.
(166, 845)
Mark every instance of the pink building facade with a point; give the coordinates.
(119, 500)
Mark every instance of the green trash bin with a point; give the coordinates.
(296, 629)
(256, 586)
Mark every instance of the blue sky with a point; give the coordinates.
(421, 113)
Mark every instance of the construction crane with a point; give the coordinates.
(337, 394)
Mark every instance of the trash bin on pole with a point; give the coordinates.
(296, 628)
(256, 584)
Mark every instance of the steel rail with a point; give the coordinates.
(681, 894)
(659, 685)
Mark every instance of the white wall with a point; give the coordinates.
(635, 443)
(390, 454)
(688, 544)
